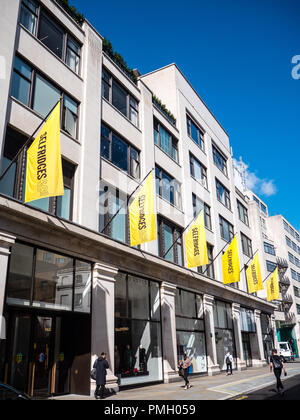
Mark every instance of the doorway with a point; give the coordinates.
(48, 354)
(247, 349)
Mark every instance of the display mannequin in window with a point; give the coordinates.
(143, 360)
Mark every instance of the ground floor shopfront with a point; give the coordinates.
(70, 294)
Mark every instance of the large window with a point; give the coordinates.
(194, 132)
(34, 18)
(167, 187)
(165, 140)
(271, 266)
(13, 184)
(190, 330)
(39, 94)
(199, 205)
(269, 248)
(119, 152)
(119, 97)
(226, 229)
(167, 235)
(138, 349)
(111, 201)
(208, 270)
(243, 213)
(223, 194)
(219, 160)
(224, 334)
(246, 245)
(45, 279)
(198, 171)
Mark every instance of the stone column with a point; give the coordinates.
(274, 329)
(258, 357)
(103, 319)
(169, 340)
(241, 364)
(6, 241)
(212, 364)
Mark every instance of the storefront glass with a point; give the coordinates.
(267, 336)
(138, 348)
(190, 330)
(224, 334)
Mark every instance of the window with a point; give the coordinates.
(223, 194)
(294, 274)
(291, 258)
(296, 292)
(271, 266)
(63, 208)
(288, 241)
(167, 235)
(119, 152)
(243, 213)
(219, 160)
(226, 229)
(43, 279)
(269, 248)
(208, 269)
(199, 205)
(28, 18)
(167, 187)
(198, 171)
(51, 34)
(298, 309)
(36, 92)
(165, 140)
(194, 132)
(111, 201)
(246, 245)
(119, 97)
(285, 225)
(21, 81)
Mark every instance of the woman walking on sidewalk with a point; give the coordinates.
(277, 365)
(185, 364)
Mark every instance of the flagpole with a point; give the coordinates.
(228, 243)
(175, 242)
(249, 260)
(270, 274)
(28, 141)
(126, 202)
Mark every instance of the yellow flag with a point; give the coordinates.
(273, 287)
(195, 243)
(142, 215)
(44, 168)
(231, 263)
(253, 274)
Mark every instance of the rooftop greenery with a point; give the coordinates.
(72, 11)
(119, 60)
(164, 109)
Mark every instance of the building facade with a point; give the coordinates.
(71, 286)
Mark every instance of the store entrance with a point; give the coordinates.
(247, 349)
(47, 354)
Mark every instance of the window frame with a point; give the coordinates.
(206, 208)
(227, 199)
(130, 147)
(246, 245)
(173, 140)
(203, 170)
(223, 159)
(200, 132)
(175, 187)
(243, 213)
(176, 230)
(230, 229)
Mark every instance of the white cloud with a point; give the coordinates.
(253, 182)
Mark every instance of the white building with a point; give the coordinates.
(71, 286)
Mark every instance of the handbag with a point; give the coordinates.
(180, 371)
(93, 374)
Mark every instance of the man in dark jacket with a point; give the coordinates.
(100, 365)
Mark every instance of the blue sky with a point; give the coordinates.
(238, 55)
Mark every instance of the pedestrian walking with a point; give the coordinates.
(228, 361)
(185, 364)
(100, 365)
(277, 365)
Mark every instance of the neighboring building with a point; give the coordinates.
(71, 286)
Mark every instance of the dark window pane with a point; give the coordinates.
(20, 88)
(28, 17)
(120, 296)
(45, 96)
(105, 148)
(168, 242)
(138, 298)
(20, 275)
(51, 35)
(119, 155)
(119, 98)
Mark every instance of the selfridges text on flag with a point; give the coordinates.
(142, 215)
(195, 243)
(273, 292)
(254, 277)
(44, 176)
(231, 263)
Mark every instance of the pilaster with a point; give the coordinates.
(212, 365)
(241, 364)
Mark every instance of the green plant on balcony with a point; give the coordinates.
(164, 109)
(118, 59)
(72, 11)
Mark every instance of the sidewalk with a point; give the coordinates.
(219, 387)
